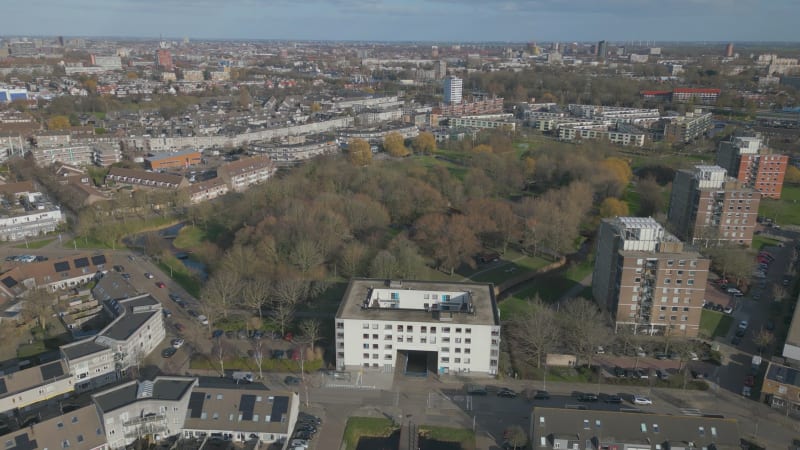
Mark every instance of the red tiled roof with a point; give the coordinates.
(696, 91)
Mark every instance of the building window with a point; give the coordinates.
(423, 329)
(409, 328)
(365, 336)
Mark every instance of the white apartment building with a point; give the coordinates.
(381, 324)
(489, 121)
(246, 172)
(78, 155)
(32, 223)
(452, 90)
(21, 389)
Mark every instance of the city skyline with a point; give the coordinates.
(413, 20)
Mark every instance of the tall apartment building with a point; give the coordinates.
(440, 69)
(164, 59)
(602, 50)
(449, 327)
(752, 163)
(707, 207)
(686, 128)
(452, 90)
(646, 279)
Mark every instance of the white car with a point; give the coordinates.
(641, 400)
(743, 325)
(202, 319)
(178, 342)
(733, 291)
(149, 275)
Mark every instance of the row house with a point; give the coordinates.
(241, 174)
(147, 179)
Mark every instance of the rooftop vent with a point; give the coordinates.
(145, 389)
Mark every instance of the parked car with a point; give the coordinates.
(612, 399)
(662, 375)
(749, 381)
(736, 340)
(169, 352)
(769, 325)
(290, 380)
(641, 400)
(506, 393)
(728, 310)
(167, 313)
(541, 395)
(178, 342)
(216, 334)
(733, 291)
(743, 325)
(584, 397)
(161, 284)
(149, 275)
(278, 354)
(619, 372)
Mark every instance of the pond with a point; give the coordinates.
(391, 442)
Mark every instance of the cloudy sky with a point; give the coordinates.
(393, 20)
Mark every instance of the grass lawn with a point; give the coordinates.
(761, 241)
(511, 307)
(713, 323)
(36, 244)
(89, 243)
(568, 374)
(785, 211)
(366, 426)
(466, 438)
(28, 350)
(181, 274)
(456, 170)
(516, 266)
(189, 237)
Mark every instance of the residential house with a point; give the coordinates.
(241, 174)
(19, 390)
(207, 190)
(134, 177)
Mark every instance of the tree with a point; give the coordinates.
(58, 123)
(255, 293)
(359, 152)
(650, 199)
(311, 330)
(583, 328)
(287, 293)
(534, 330)
(220, 351)
(351, 260)
(245, 99)
(306, 255)
(394, 144)
(38, 304)
(221, 289)
(258, 356)
(449, 240)
(384, 265)
(516, 436)
(792, 175)
(613, 207)
(763, 340)
(424, 143)
(482, 148)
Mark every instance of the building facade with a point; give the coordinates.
(781, 389)
(143, 178)
(452, 90)
(686, 128)
(645, 278)
(241, 174)
(707, 207)
(457, 325)
(19, 390)
(751, 162)
(173, 160)
(78, 155)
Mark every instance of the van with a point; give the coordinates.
(242, 377)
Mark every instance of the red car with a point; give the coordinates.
(161, 284)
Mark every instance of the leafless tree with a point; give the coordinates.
(310, 329)
(258, 356)
(255, 293)
(516, 436)
(39, 305)
(220, 351)
(763, 340)
(534, 331)
(583, 327)
(384, 265)
(221, 289)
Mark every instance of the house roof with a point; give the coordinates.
(246, 408)
(53, 271)
(131, 315)
(143, 175)
(80, 429)
(113, 287)
(161, 388)
(610, 427)
(17, 188)
(170, 155)
(201, 186)
(246, 165)
(82, 348)
(31, 377)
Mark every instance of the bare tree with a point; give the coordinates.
(384, 265)
(310, 329)
(306, 255)
(255, 293)
(516, 436)
(220, 351)
(39, 305)
(534, 331)
(258, 356)
(221, 289)
(763, 340)
(583, 327)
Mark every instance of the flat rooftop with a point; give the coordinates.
(419, 301)
(162, 388)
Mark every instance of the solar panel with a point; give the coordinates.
(9, 282)
(3, 388)
(196, 401)
(61, 266)
(98, 259)
(246, 405)
(23, 442)
(52, 370)
(81, 262)
(280, 406)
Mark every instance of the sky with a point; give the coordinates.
(410, 20)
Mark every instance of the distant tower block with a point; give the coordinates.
(434, 51)
(729, 50)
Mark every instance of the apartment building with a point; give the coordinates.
(79, 155)
(81, 429)
(207, 190)
(452, 90)
(223, 409)
(53, 275)
(686, 128)
(29, 219)
(781, 388)
(646, 279)
(136, 330)
(19, 390)
(621, 134)
(617, 114)
(484, 122)
(751, 162)
(144, 408)
(452, 328)
(696, 95)
(134, 177)
(291, 153)
(588, 429)
(106, 154)
(490, 105)
(707, 207)
(173, 160)
(241, 174)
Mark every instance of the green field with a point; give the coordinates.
(513, 264)
(358, 427)
(189, 237)
(785, 211)
(713, 324)
(760, 241)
